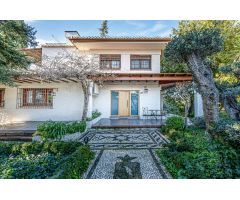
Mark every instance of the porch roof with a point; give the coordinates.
(160, 77)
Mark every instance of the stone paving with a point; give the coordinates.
(125, 154)
(144, 138)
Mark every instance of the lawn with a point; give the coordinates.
(67, 160)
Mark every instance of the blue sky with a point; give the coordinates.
(53, 30)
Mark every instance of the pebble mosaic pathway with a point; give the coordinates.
(144, 138)
(125, 154)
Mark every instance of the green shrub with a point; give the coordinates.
(228, 131)
(28, 148)
(233, 134)
(44, 160)
(191, 153)
(5, 148)
(63, 148)
(199, 122)
(35, 148)
(76, 164)
(56, 130)
(176, 123)
(40, 166)
(95, 114)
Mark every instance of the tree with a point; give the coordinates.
(104, 29)
(182, 92)
(228, 82)
(74, 66)
(193, 48)
(221, 61)
(14, 35)
(229, 31)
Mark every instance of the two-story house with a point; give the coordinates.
(137, 84)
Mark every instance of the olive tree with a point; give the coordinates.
(193, 48)
(228, 82)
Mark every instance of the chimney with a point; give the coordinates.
(69, 34)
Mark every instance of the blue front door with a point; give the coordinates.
(134, 102)
(133, 106)
(114, 102)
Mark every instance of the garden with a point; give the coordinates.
(194, 153)
(50, 158)
(47, 160)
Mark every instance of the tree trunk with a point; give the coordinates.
(203, 78)
(231, 106)
(86, 93)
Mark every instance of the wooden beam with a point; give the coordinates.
(141, 78)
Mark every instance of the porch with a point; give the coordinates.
(128, 123)
(21, 131)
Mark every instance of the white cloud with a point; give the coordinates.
(136, 24)
(157, 28)
(165, 33)
(43, 41)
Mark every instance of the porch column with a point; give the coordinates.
(161, 99)
(90, 104)
(198, 105)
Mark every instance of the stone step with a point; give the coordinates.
(16, 132)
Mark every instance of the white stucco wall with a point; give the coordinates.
(125, 60)
(67, 104)
(198, 105)
(125, 57)
(102, 102)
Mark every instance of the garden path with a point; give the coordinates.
(125, 153)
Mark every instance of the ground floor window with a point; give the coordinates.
(35, 97)
(124, 103)
(2, 92)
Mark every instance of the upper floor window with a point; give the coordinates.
(110, 61)
(35, 98)
(2, 91)
(140, 62)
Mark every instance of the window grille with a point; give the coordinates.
(2, 92)
(111, 61)
(140, 62)
(35, 97)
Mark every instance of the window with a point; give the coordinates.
(2, 91)
(111, 61)
(140, 62)
(35, 98)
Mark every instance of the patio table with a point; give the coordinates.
(156, 113)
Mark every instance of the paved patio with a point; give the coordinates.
(128, 123)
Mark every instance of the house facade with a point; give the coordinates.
(137, 84)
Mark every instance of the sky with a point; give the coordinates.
(53, 30)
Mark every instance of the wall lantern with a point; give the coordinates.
(145, 90)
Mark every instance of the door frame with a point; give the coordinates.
(130, 103)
